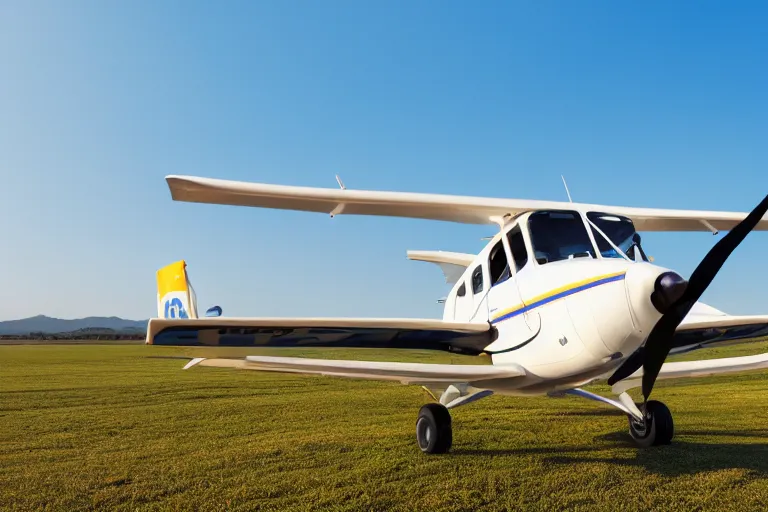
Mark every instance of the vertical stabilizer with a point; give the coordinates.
(175, 295)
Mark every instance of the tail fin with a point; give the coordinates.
(175, 295)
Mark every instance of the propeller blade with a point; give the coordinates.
(658, 343)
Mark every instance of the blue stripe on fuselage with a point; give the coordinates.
(556, 296)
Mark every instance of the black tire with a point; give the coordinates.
(657, 429)
(433, 429)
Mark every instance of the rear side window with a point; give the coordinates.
(477, 280)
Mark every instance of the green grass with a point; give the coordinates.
(105, 427)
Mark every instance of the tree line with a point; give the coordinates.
(75, 335)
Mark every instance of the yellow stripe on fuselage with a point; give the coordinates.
(533, 302)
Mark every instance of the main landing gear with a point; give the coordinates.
(650, 425)
(433, 426)
(433, 429)
(656, 427)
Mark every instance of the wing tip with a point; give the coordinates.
(193, 362)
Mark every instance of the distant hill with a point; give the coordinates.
(46, 324)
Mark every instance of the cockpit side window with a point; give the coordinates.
(622, 233)
(558, 235)
(497, 261)
(497, 264)
(517, 244)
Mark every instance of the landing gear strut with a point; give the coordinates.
(656, 428)
(433, 429)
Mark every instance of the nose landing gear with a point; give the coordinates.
(656, 428)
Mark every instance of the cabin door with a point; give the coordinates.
(471, 297)
(507, 309)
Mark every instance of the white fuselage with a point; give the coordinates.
(566, 322)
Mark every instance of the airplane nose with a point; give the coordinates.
(651, 290)
(667, 289)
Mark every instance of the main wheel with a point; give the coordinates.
(656, 428)
(433, 429)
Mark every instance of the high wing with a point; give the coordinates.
(406, 373)
(464, 209)
(404, 333)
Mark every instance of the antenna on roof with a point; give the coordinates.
(341, 184)
(566, 188)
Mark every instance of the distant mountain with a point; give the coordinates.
(47, 324)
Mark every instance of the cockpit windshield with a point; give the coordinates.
(559, 235)
(622, 233)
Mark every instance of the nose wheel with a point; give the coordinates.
(656, 428)
(433, 429)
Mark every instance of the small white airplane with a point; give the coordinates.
(563, 296)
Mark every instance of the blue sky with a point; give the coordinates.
(643, 104)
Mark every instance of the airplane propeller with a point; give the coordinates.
(674, 298)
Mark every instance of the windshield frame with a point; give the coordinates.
(595, 245)
(630, 245)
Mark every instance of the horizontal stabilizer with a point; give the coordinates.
(404, 333)
(453, 264)
(407, 373)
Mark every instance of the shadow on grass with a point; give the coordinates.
(540, 450)
(679, 458)
(755, 433)
(590, 412)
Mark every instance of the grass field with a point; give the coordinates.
(105, 427)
